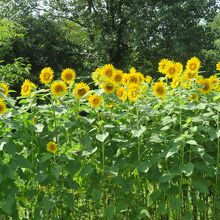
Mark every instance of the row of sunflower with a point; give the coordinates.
(127, 86)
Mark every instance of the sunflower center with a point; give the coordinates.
(118, 78)
(193, 66)
(172, 70)
(52, 147)
(47, 76)
(160, 90)
(133, 80)
(109, 87)
(81, 91)
(69, 76)
(108, 72)
(206, 87)
(96, 101)
(59, 89)
(26, 88)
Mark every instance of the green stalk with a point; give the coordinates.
(217, 167)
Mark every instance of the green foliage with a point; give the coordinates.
(15, 72)
(9, 33)
(154, 158)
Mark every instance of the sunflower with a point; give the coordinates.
(173, 69)
(4, 88)
(159, 89)
(194, 98)
(193, 65)
(58, 88)
(68, 75)
(125, 79)
(122, 93)
(218, 66)
(2, 107)
(141, 77)
(162, 65)
(52, 147)
(187, 75)
(80, 90)
(133, 78)
(148, 79)
(133, 92)
(97, 76)
(117, 76)
(108, 86)
(108, 70)
(95, 100)
(27, 87)
(206, 85)
(215, 81)
(175, 82)
(46, 75)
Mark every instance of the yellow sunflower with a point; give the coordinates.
(193, 65)
(148, 79)
(122, 93)
(108, 70)
(175, 82)
(194, 98)
(68, 75)
(52, 147)
(173, 69)
(133, 78)
(125, 79)
(2, 107)
(215, 82)
(133, 92)
(162, 65)
(58, 88)
(218, 66)
(117, 76)
(27, 87)
(108, 86)
(80, 90)
(46, 75)
(206, 85)
(141, 77)
(4, 88)
(95, 100)
(159, 89)
(97, 76)
(187, 75)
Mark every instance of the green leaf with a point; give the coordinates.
(192, 142)
(89, 151)
(22, 162)
(73, 166)
(86, 170)
(166, 177)
(156, 138)
(38, 128)
(172, 151)
(55, 171)
(175, 203)
(139, 132)
(109, 211)
(10, 147)
(46, 157)
(96, 194)
(102, 137)
(188, 169)
(2, 145)
(113, 170)
(7, 207)
(144, 166)
(200, 186)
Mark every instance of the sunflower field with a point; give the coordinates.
(124, 146)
